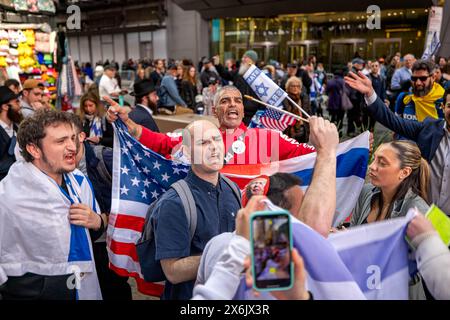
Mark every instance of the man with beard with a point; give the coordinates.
(10, 117)
(146, 104)
(426, 98)
(236, 76)
(47, 208)
(431, 135)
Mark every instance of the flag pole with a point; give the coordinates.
(299, 108)
(276, 109)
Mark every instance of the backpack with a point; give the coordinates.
(146, 248)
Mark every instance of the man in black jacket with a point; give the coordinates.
(10, 117)
(146, 102)
(250, 57)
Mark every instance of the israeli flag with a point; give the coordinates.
(431, 50)
(368, 262)
(267, 90)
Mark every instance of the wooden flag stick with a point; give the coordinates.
(276, 109)
(299, 108)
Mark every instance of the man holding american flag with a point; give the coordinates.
(242, 145)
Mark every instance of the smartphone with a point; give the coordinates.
(271, 244)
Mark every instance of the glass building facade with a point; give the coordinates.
(334, 38)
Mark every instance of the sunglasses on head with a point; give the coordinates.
(422, 78)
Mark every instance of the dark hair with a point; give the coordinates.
(279, 183)
(426, 65)
(12, 82)
(32, 130)
(409, 155)
(76, 121)
(446, 93)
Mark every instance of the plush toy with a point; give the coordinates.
(29, 34)
(4, 34)
(32, 5)
(3, 63)
(21, 36)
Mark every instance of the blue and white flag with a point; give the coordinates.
(434, 46)
(267, 90)
(364, 262)
(44, 242)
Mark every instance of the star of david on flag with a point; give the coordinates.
(267, 90)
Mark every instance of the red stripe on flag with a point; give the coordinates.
(122, 248)
(148, 288)
(124, 221)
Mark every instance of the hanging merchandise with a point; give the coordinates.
(7, 4)
(46, 6)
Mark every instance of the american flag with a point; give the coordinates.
(275, 120)
(141, 176)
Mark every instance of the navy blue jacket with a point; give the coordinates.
(143, 117)
(427, 134)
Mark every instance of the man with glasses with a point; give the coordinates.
(426, 97)
(31, 99)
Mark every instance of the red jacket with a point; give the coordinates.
(262, 145)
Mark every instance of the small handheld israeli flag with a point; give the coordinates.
(432, 48)
(267, 90)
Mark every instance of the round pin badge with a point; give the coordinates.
(238, 147)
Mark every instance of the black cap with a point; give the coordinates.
(6, 95)
(292, 65)
(172, 66)
(143, 88)
(110, 67)
(212, 80)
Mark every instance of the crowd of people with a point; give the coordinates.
(56, 170)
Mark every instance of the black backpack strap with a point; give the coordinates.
(101, 166)
(187, 199)
(233, 187)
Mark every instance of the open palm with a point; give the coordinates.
(359, 82)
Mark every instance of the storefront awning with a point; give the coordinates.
(210, 9)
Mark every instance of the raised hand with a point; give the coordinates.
(359, 82)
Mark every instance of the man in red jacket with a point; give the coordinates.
(242, 145)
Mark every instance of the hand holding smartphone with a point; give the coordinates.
(271, 244)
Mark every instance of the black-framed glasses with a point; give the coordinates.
(422, 78)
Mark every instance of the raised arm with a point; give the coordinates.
(318, 211)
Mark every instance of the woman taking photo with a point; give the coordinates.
(92, 114)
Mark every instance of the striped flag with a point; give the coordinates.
(272, 119)
(140, 176)
(365, 262)
(267, 90)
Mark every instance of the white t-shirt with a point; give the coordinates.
(108, 86)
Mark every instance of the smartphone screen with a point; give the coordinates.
(271, 251)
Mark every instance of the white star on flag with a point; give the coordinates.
(137, 158)
(146, 171)
(146, 153)
(146, 182)
(129, 144)
(135, 182)
(124, 190)
(124, 150)
(165, 177)
(144, 194)
(125, 170)
(155, 194)
(156, 165)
